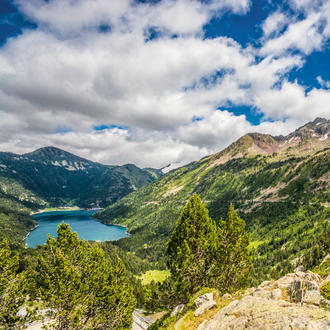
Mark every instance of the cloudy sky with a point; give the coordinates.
(158, 82)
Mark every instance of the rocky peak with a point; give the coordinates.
(317, 129)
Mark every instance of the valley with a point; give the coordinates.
(278, 185)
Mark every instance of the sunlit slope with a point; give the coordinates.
(280, 186)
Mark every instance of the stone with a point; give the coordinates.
(299, 269)
(260, 313)
(140, 321)
(298, 289)
(265, 284)
(204, 303)
(312, 297)
(325, 303)
(276, 294)
(285, 281)
(178, 310)
(259, 292)
(227, 296)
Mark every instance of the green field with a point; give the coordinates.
(154, 275)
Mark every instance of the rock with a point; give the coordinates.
(299, 269)
(140, 321)
(203, 303)
(265, 284)
(285, 281)
(325, 303)
(312, 297)
(227, 296)
(276, 294)
(259, 292)
(178, 310)
(298, 289)
(327, 279)
(260, 313)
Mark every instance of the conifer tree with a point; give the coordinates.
(85, 290)
(191, 245)
(11, 287)
(233, 261)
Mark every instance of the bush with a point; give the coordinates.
(325, 290)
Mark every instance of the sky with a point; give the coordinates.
(159, 82)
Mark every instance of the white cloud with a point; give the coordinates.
(67, 76)
(274, 23)
(323, 83)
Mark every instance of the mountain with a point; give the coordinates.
(58, 177)
(279, 185)
(53, 177)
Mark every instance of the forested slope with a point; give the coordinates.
(279, 185)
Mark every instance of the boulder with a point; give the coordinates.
(260, 313)
(325, 303)
(312, 297)
(276, 294)
(178, 310)
(204, 303)
(299, 287)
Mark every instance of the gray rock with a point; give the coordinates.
(204, 303)
(178, 310)
(325, 303)
(276, 294)
(298, 289)
(227, 296)
(259, 313)
(140, 321)
(312, 297)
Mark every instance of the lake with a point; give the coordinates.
(80, 221)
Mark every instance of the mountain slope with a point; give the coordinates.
(280, 186)
(59, 177)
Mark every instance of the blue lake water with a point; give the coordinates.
(80, 221)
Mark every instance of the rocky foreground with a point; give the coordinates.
(292, 302)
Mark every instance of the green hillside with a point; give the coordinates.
(61, 178)
(279, 185)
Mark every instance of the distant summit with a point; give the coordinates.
(310, 137)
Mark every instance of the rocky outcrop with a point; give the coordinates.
(140, 321)
(178, 310)
(204, 303)
(292, 302)
(253, 312)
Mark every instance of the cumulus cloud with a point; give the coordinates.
(68, 76)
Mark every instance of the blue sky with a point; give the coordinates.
(158, 82)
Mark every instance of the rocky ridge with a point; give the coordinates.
(292, 302)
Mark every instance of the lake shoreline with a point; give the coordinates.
(80, 221)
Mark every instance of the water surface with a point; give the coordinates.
(80, 221)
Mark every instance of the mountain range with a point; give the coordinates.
(55, 177)
(279, 185)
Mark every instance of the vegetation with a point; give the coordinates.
(325, 290)
(82, 287)
(154, 275)
(192, 246)
(202, 254)
(284, 193)
(12, 287)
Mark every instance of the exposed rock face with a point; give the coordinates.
(140, 321)
(204, 303)
(178, 310)
(261, 313)
(292, 302)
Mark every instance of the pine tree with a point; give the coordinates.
(11, 287)
(85, 290)
(191, 245)
(233, 261)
